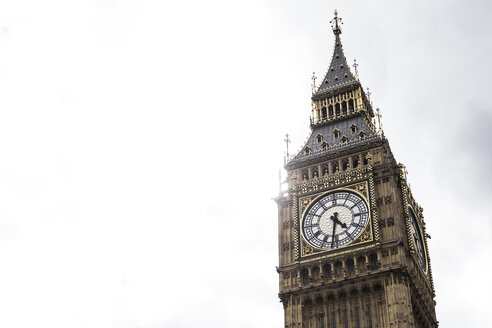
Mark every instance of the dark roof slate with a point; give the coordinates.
(334, 144)
(339, 74)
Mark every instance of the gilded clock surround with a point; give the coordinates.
(304, 202)
(409, 202)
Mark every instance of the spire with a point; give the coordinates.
(339, 74)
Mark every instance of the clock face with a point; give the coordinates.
(418, 242)
(335, 220)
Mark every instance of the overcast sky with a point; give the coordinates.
(140, 145)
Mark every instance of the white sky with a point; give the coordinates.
(140, 143)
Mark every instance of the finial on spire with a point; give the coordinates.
(355, 68)
(380, 125)
(335, 24)
(314, 82)
(368, 94)
(287, 141)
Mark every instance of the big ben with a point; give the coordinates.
(352, 239)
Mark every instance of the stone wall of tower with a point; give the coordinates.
(286, 232)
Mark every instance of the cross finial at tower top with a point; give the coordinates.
(335, 24)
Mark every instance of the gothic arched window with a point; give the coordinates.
(330, 111)
(315, 273)
(324, 169)
(351, 105)
(334, 166)
(373, 261)
(355, 161)
(305, 175)
(350, 266)
(344, 108)
(345, 164)
(327, 271)
(304, 276)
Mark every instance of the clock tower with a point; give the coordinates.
(352, 239)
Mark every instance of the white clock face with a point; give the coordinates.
(418, 242)
(335, 220)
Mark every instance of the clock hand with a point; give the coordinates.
(334, 227)
(337, 221)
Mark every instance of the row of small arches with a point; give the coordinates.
(339, 269)
(334, 166)
(337, 110)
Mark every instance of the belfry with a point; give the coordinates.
(352, 239)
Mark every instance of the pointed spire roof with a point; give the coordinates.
(339, 74)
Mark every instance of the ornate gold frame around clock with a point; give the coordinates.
(409, 202)
(359, 181)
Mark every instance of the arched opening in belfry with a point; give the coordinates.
(337, 109)
(351, 105)
(344, 108)
(323, 112)
(330, 111)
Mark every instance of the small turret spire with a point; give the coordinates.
(380, 124)
(355, 69)
(314, 82)
(287, 142)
